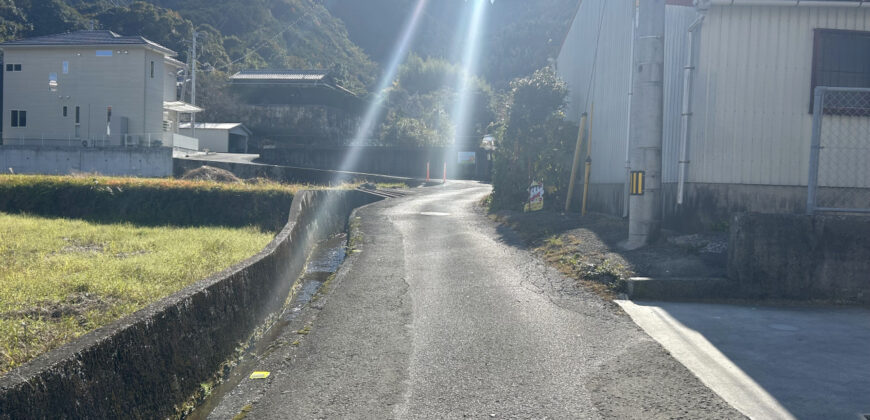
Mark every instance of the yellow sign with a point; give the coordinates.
(259, 375)
(636, 187)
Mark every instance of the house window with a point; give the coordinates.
(841, 59)
(52, 82)
(78, 115)
(9, 67)
(65, 67)
(13, 67)
(19, 118)
(104, 53)
(17, 67)
(64, 111)
(152, 69)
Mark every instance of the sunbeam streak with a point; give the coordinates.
(370, 118)
(465, 83)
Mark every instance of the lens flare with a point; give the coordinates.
(465, 84)
(371, 116)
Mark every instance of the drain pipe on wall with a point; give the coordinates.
(627, 186)
(688, 73)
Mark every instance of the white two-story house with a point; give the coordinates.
(90, 88)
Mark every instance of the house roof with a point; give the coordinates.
(217, 126)
(211, 126)
(281, 76)
(179, 106)
(86, 38)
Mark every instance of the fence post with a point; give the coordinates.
(815, 148)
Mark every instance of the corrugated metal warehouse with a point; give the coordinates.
(750, 81)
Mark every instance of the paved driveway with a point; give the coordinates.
(770, 362)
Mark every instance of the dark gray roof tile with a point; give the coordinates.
(101, 37)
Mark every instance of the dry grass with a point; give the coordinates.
(61, 278)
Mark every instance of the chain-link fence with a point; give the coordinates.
(839, 179)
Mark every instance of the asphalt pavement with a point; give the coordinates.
(770, 362)
(440, 313)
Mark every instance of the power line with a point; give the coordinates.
(293, 24)
(595, 56)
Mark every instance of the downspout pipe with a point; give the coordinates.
(688, 75)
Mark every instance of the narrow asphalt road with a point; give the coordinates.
(441, 314)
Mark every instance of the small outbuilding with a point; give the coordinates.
(219, 137)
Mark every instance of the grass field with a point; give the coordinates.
(60, 278)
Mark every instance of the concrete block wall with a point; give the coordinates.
(61, 160)
(148, 363)
(800, 257)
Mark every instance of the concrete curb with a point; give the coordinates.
(148, 363)
(648, 288)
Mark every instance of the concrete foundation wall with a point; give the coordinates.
(57, 160)
(707, 206)
(801, 257)
(148, 363)
(710, 206)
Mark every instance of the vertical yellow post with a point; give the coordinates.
(576, 163)
(588, 160)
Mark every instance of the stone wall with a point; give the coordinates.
(63, 160)
(148, 363)
(800, 257)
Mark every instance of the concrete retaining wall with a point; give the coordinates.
(148, 363)
(284, 173)
(58, 160)
(396, 161)
(800, 257)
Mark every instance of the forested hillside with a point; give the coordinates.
(519, 35)
(234, 34)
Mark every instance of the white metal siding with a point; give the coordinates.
(752, 92)
(610, 84)
(213, 140)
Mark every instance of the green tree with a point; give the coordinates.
(420, 104)
(535, 142)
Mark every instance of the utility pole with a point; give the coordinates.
(193, 84)
(645, 201)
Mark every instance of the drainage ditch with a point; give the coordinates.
(324, 261)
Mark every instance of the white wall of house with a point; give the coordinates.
(92, 83)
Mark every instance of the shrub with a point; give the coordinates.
(149, 202)
(536, 142)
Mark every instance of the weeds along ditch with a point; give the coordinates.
(77, 253)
